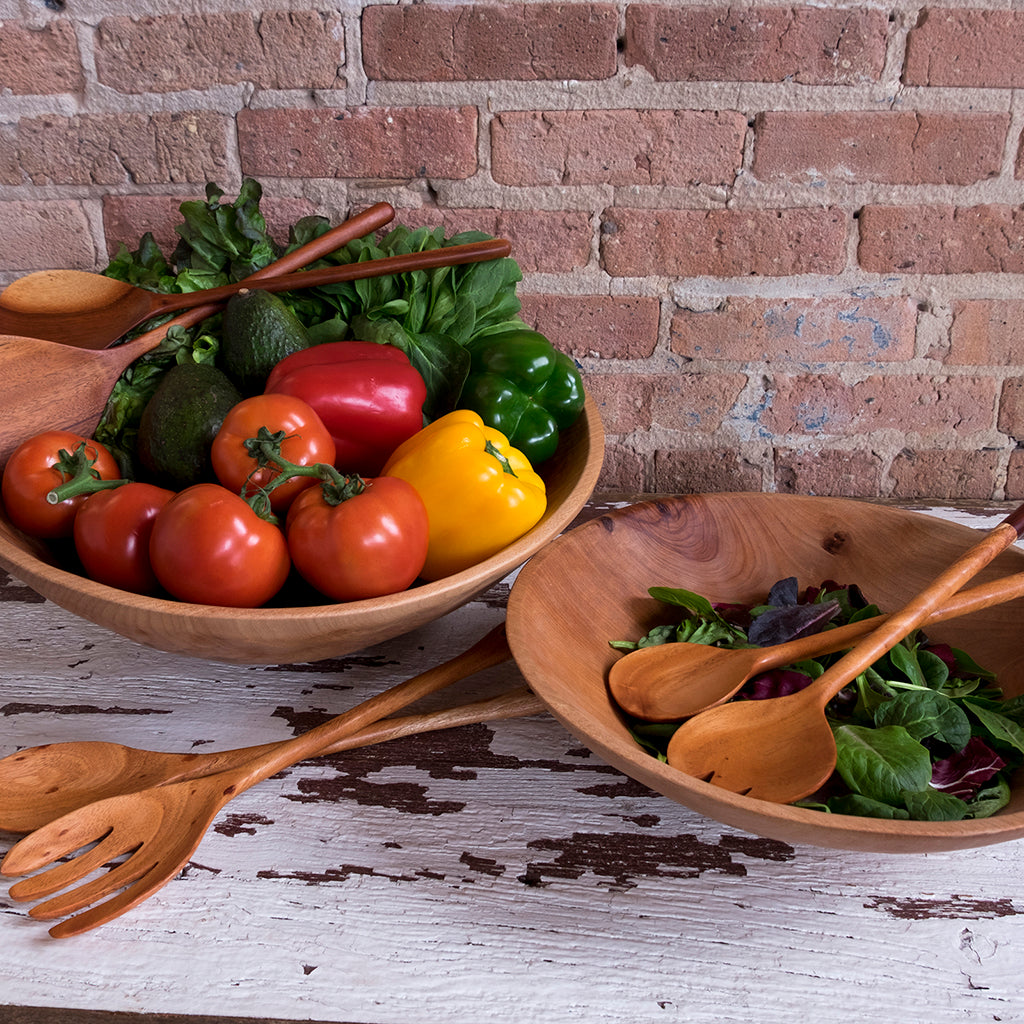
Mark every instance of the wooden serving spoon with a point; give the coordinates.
(672, 681)
(782, 748)
(161, 826)
(45, 385)
(114, 307)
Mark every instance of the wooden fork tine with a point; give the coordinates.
(143, 873)
(124, 874)
(50, 843)
(156, 877)
(65, 873)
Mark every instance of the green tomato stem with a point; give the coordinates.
(265, 448)
(79, 476)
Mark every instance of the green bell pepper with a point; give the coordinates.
(521, 385)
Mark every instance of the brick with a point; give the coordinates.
(723, 243)
(115, 149)
(10, 167)
(926, 239)
(944, 473)
(1013, 488)
(617, 147)
(595, 326)
(680, 471)
(833, 472)
(379, 142)
(624, 469)
(43, 234)
(890, 147)
(804, 44)
(1011, 408)
(806, 331)
(966, 48)
(826, 406)
(691, 402)
(987, 332)
(127, 218)
(274, 50)
(543, 241)
(40, 61)
(517, 42)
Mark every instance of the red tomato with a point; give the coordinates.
(112, 531)
(369, 545)
(209, 547)
(307, 441)
(31, 473)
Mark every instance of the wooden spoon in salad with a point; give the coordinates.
(782, 748)
(45, 385)
(673, 681)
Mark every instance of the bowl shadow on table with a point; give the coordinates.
(589, 587)
(312, 630)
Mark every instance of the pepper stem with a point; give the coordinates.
(506, 466)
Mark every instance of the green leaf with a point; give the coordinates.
(687, 599)
(933, 668)
(664, 634)
(991, 797)
(905, 660)
(932, 805)
(881, 763)
(999, 727)
(653, 736)
(864, 807)
(967, 666)
(926, 714)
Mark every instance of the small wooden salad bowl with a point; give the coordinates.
(310, 631)
(590, 587)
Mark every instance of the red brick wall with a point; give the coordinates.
(784, 242)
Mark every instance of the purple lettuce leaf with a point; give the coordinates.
(777, 682)
(963, 773)
(777, 625)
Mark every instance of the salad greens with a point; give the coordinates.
(431, 315)
(922, 734)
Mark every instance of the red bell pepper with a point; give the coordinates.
(369, 396)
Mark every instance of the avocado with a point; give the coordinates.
(181, 420)
(259, 330)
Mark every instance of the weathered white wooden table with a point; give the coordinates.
(493, 874)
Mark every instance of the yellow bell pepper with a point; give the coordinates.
(481, 493)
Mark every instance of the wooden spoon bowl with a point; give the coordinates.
(590, 587)
(298, 628)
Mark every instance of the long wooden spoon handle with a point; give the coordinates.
(425, 259)
(491, 650)
(900, 623)
(515, 703)
(357, 226)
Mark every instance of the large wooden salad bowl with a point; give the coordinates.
(590, 586)
(312, 630)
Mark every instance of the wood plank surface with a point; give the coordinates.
(492, 874)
